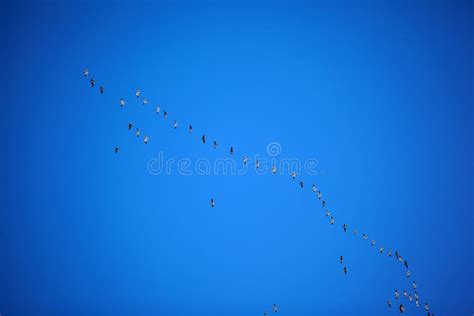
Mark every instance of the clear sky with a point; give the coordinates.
(379, 92)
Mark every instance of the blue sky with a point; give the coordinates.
(380, 93)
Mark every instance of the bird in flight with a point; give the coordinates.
(274, 308)
(402, 308)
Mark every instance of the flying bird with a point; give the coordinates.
(116, 149)
(86, 72)
(402, 309)
(231, 150)
(130, 126)
(203, 139)
(274, 308)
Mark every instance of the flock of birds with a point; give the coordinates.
(408, 296)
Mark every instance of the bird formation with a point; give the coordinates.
(294, 175)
